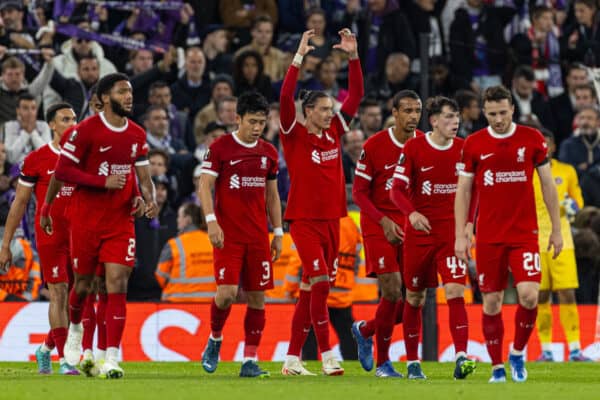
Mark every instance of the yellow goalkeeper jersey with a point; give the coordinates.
(567, 186)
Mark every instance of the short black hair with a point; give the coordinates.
(586, 86)
(434, 105)
(89, 56)
(309, 98)
(214, 126)
(366, 103)
(54, 108)
(537, 11)
(404, 94)
(464, 98)
(195, 213)
(261, 19)
(525, 72)
(497, 93)
(252, 103)
(157, 85)
(106, 84)
(160, 152)
(24, 97)
(575, 65)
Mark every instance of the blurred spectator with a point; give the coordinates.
(424, 18)
(212, 132)
(239, 15)
(370, 117)
(530, 106)
(67, 62)
(193, 198)
(274, 60)
(226, 112)
(563, 106)
(158, 136)
(477, 46)
(76, 91)
(23, 279)
(140, 61)
(352, 142)
(214, 46)
(442, 82)
(4, 164)
(271, 133)
(26, 133)
(585, 96)
(13, 84)
(151, 236)
(325, 79)
(396, 77)
(582, 150)
(470, 112)
(590, 186)
(587, 251)
(222, 86)
(191, 92)
(581, 41)
(315, 19)
(540, 49)
(248, 75)
(159, 162)
(185, 270)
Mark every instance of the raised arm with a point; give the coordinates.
(356, 88)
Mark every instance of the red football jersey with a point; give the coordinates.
(376, 165)
(502, 166)
(38, 167)
(429, 171)
(242, 171)
(101, 149)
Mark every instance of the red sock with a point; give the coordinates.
(60, 337)
(493, 332)
(89, 322)
(524, 324)
(368, 328)
(459, 324)
(75, 307)
(101, 321)
(412, 330)
(385, 326)
(319, 314)
(116, 312)
(49, 340)
(399, 311)
(254, 323)
(217, 319)
(300, 324)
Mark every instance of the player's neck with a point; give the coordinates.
(313, 129)
(55, 142)
(114, 119)
(439, 139)
(401, 135)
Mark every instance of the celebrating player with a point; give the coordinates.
(500, 160)
(38, 167)
(317, 197)
(98, 157)
(424, 188)
(381, 223)
(242, 170)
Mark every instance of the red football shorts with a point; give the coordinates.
(54, 253)
(244, 264)
(382, 257)
(495, 260)
(318, 243)
(423, 262)
(90, 247)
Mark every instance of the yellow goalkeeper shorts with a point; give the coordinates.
(560, 273)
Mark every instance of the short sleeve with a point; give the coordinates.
(29, 173)
(77, 145)
(364, 165)
(211, 164)
(274, 167)
(468, 161)
(540, 150)
(142, 153)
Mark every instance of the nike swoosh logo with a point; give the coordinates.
(532, 273)
(115, 317)
(103, 149)
(50, 172)
(129, 258)
(412, 336)
(486, 156)
(390, 166)
(321, 322)
(264, 283)
(461, 326)
(425, 169)
(234, 162)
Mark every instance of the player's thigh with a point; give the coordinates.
(85, 247)
(492, 266)
(54, 260)
(382, 257)
(331, 247)
(228, 262)
(118, 246)
(257, 271)
(450, 268)
(419, 267)
(546, 282)
(563, 270)
(524, 261)
(309, 239)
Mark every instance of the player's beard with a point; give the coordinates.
(118, 109)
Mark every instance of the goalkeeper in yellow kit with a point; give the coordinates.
(559, 275)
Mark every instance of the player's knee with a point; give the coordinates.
(415, 299)
(256, 300)
(391, 293)
(528, 299)
(82, 285)
(454, 291)
(226, 296)
(59, 293)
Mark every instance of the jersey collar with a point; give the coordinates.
(437, 146)
(511, 131)
(53, 149)
(111, 127)
(241, 143)
(393, 138)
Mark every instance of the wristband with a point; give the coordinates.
(278, 231)
(210, 218)
(298, 59)
(45, 210)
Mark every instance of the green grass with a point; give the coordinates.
(174, 381)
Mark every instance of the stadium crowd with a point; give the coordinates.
(187, 65)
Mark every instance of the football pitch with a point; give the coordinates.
(174, 381)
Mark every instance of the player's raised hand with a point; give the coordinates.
(419, 222)
(5, 259)
(138, 207)
(46, 224)
(555, 241)
(393, 233)
(276, 248)
(348, 43)
(461, 248)
(115, 182)
(215, 234)
(304, 47)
